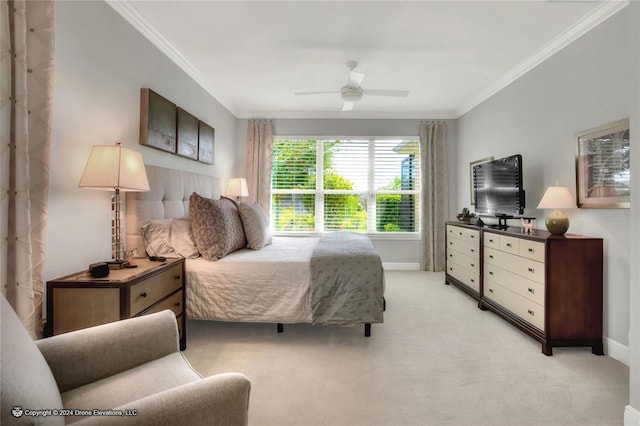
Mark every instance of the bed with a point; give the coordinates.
(334, 279)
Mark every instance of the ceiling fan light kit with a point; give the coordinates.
(353, 92)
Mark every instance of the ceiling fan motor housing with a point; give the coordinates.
(350, 94)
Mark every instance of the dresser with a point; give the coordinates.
(79, 301)
(463, 261)
(548, 286)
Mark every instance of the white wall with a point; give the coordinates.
(632, 412)
(398, 251)
(101, 63)
(587, 84)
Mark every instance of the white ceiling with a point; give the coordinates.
(451, 55)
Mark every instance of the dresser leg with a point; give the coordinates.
(367, 329)
(597, 349)
(280, 327)
(547, 349)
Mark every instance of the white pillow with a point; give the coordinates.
(256, 225)
(156, 235)
(182, 238)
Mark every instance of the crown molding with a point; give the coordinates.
(125, 9)
(571, 34)
(590, 21)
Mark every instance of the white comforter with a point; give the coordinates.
(268, 285)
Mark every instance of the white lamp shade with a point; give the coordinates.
(557, 197)
(114, 167)
(237, 187)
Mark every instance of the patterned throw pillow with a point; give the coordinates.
(216, 226)
(256, 225)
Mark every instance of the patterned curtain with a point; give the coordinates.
(259, 155)
(435, 195)
(27, 43)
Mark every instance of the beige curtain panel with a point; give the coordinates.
(27, 43)
(259, 155)
(435, 195)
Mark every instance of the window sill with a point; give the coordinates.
(396, 236)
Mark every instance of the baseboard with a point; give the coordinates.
(616, 350)
(631, 416)
(400, 266)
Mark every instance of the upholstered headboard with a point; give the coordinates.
(168, 197)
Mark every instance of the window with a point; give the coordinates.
(359, 185)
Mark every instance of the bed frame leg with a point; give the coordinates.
(280, 327)
(367, 330)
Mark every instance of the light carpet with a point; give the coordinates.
(436, 360)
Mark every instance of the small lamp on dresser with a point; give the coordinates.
(556, 198)
(115, 168)
(237, 187)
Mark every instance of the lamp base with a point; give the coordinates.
(557, 222)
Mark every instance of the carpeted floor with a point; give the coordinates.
(437, 360)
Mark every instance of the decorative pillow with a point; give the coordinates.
(182, 238)
(256, 225)
(216, 226)
(156, 235)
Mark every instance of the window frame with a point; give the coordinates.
(370, 193)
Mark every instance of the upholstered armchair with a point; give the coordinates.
(130, 371)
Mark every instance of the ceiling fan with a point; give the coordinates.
(353, 91)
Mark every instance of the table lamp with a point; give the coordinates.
(556, 198)
(115, 168)
(237, 187)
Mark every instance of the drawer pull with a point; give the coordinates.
(473, 250)
(532, 270)
(532, 291)
(473, 265)
(508, 244)
(490, 256)
(490, 240)
(532, 250)
(450, 268)
(490, 272)
(490, 290)
(177, 277)
(143, 294)
(450, 255)
(177, 305)
(472, 280)
(473, 236)
(530, 312)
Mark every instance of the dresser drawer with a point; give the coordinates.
(491, 240)
(510, 244)
(470, 249)
(524, 267)
(528, 289)
(524, 308)
(468, 262)
(532, 250)
(469, 278)
(464, 234)
(146, 293)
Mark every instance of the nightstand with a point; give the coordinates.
(79, 301)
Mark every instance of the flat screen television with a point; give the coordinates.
(497, 187)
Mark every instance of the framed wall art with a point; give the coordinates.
(603, 166)
(206, 141)
(471, 165)
(187, 135)
(157, 121)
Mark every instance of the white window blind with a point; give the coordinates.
(360, 185)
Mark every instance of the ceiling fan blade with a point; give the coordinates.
(382, 92)
(347, 106)
(316, 93)
(355, 79)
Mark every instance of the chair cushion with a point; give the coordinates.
(145, 380)
(26, 379)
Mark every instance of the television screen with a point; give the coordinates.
(498, 186)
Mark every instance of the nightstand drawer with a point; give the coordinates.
(151, 290)
(173, 303)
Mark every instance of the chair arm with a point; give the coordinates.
(220, 400)
(84, 356)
